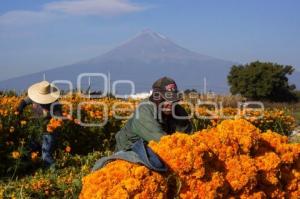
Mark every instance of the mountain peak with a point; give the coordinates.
(149, 45)
(149, 32)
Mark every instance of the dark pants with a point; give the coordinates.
(48, 146)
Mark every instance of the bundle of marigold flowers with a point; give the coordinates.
(53, 124)
(234, 159)
(121, 179)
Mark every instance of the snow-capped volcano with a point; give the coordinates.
(148, 46)
(141, 59)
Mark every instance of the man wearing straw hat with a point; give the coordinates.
(43, 97)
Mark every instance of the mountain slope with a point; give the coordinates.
(142, 60)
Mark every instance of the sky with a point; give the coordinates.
(38, 35)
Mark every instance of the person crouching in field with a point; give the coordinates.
(155, 117)
(41, 96)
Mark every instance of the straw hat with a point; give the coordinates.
(43, 93)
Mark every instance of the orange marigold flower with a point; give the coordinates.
(34, 155)
(23, 122)
(53, 124)
(68, 149)
(15, 154)
(12, 129)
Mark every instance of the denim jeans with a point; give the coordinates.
(48, 145)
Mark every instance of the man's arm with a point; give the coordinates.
(24, 102)
(183, 125)
(57, 109)
(145, 125)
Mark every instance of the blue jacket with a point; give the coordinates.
(140, 153)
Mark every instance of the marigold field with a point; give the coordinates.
(238, 157)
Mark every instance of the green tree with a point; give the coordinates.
(262, 81)
(188, 91)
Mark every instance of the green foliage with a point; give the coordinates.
(262, 81)
(297, 93)
(188, 91)
(8, 93)
(26, 139)
(62, 182)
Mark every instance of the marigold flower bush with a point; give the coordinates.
(63, 182)
(233, 159)
(21, 134)
(277, 120)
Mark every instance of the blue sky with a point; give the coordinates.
(37, 35)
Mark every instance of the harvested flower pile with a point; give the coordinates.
(234, 159)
